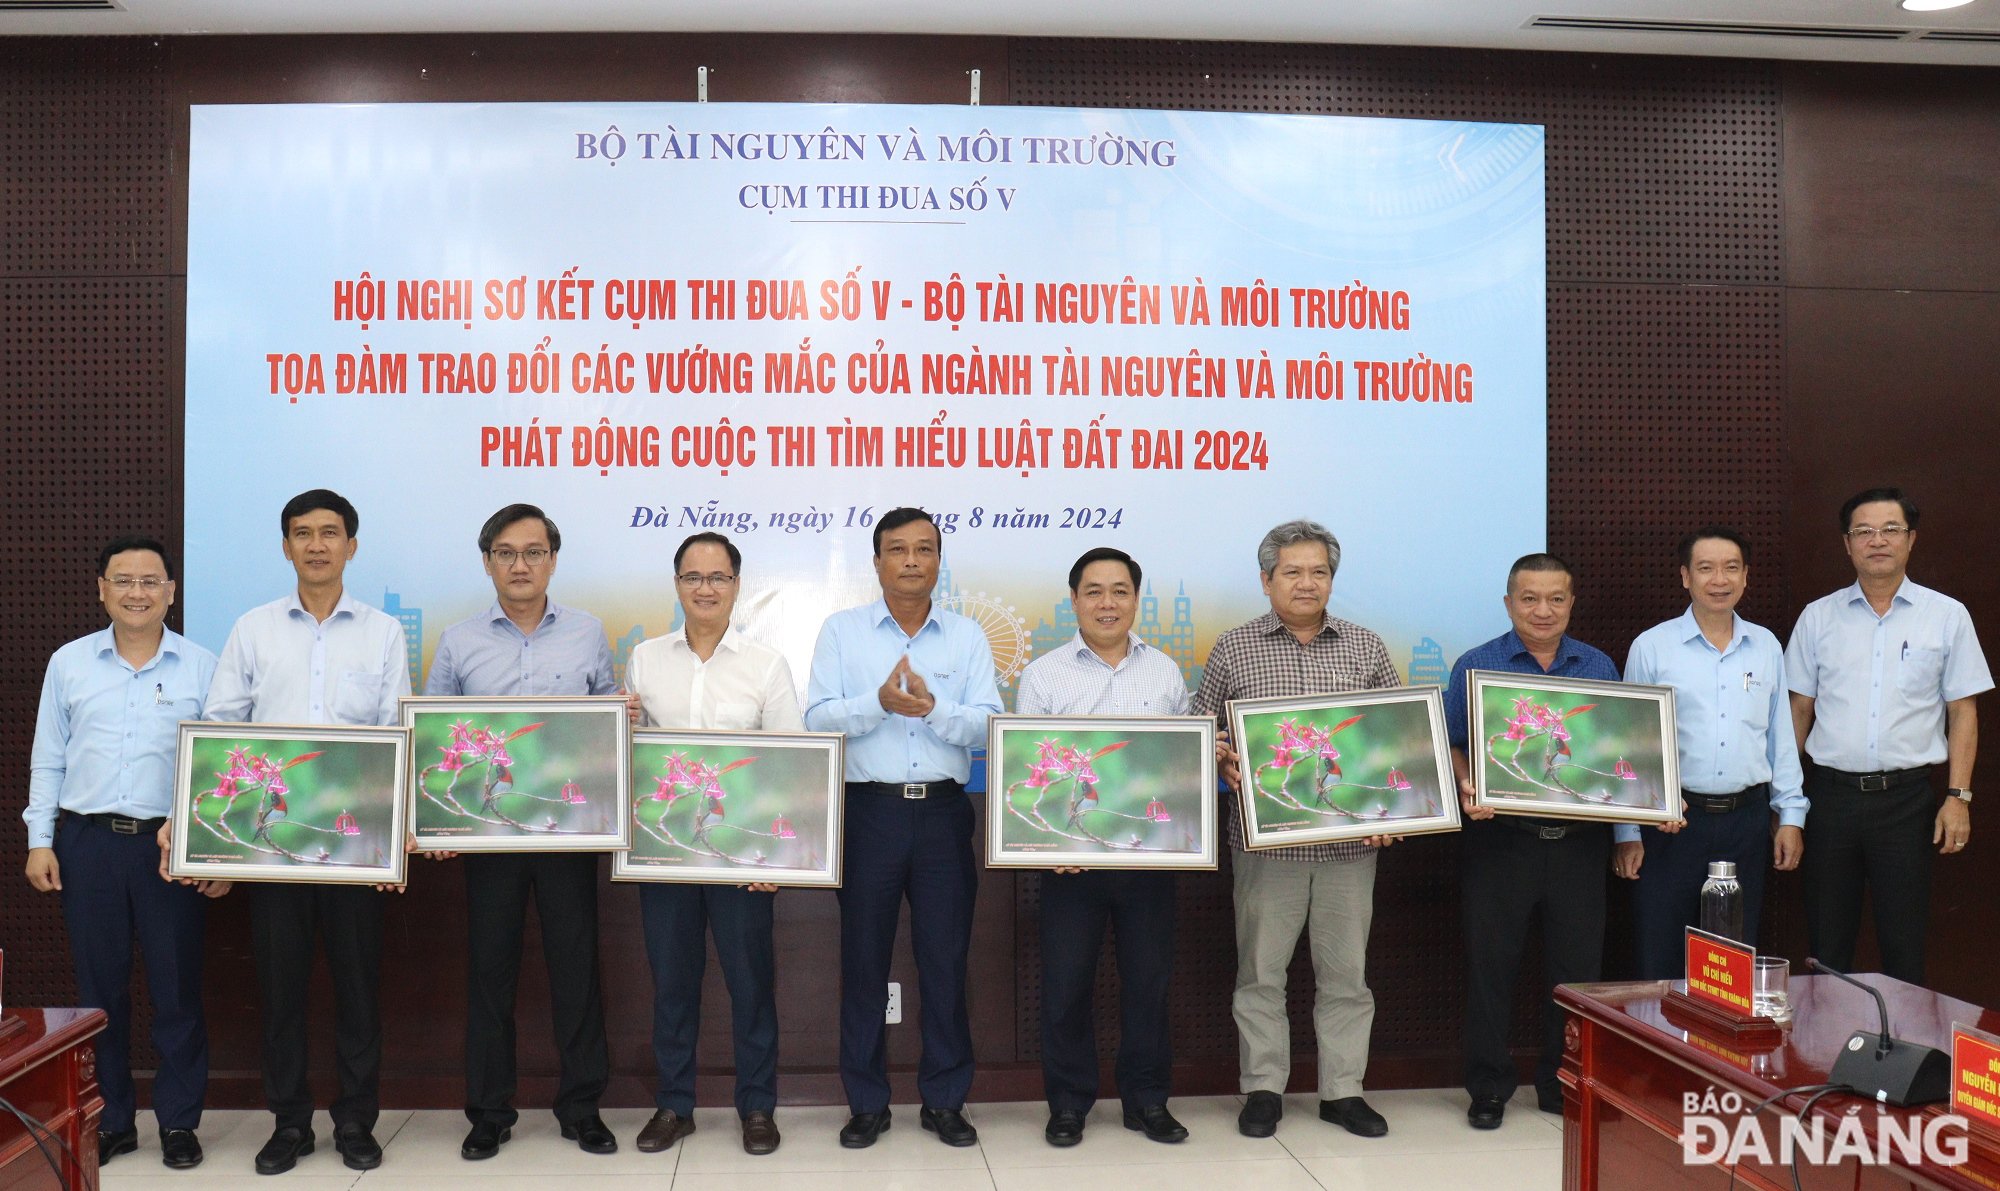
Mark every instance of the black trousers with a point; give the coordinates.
(1666, 899)
(1075, 909)
(112, 892)
(920, 850)
(677, 921)
(1876, 843)
(283, 922)
(564, 887)
(1510, 878)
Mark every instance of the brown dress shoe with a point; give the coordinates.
(663, 1130)
(760, 1133)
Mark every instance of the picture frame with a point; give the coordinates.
(1529, 758)
(1334, 768)
(519, 773)
(735, 808)
(1101, 792)
(316, 803)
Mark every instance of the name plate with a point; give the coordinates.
(1720, 972)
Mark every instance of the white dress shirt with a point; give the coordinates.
(281, 666)
(742, 687)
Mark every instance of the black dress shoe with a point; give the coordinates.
(591, 1135)
(356, 1147)
(179, 1149)
(1550, 1099)
(863, 1128)
(483, 1141)
(1065, 1127)
(283, 1151)
(1353, 1114)
(1486, 1112)
(1261, 1114)
(113, 1142)
(1156, 1123)
(950, 1125)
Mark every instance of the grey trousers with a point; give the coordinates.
(1334, 902)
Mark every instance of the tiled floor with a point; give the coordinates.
(1429, 1146)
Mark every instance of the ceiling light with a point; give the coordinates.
(1933, 5)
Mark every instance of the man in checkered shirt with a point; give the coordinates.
(1297, 649)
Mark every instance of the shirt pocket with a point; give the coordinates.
(175, 710)
(358, 697)
(738, 717)
(1757, 704)
(1922, 672)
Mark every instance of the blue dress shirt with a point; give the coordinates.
(490, 656)
(281, 666)
(106, 733)
(1072, 680)
(1879, 683)
(1574, 659)
(856, 650)
(1732, 712)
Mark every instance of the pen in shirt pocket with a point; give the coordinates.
(160, 693)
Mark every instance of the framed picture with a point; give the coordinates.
(735, 808)
(1321, 769)
(1565, 748)
(1100, 792)
(519, 774)
(285, 802)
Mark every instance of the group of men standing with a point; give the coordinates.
(1878, 683)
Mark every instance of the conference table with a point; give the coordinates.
(1632, 1058)
(48, 1070)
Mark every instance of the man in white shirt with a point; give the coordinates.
(316, 656)
(709, 675)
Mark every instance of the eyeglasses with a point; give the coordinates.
(1891, 532)
(718, 581)
(534, 557)
(149, 584)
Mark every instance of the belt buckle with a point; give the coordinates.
(1551, 832)
(915, 790)
(120, 825)
(1874, 783)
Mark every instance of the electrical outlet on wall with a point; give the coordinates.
(895, 1014)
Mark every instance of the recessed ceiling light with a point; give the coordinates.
(1933, 5)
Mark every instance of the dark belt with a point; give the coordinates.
(1723, 804)
(1539, 828)
(910, 790)
(1875, 783)
(120, 824)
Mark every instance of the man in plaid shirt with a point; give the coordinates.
(1297, 649)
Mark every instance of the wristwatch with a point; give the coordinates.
(1961, 795)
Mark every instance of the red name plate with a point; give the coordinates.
(1719, 971)
(1975, 1076)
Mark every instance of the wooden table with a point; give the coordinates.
(48, 1070)
(1627, 1068)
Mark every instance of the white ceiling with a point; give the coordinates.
(1497, 24)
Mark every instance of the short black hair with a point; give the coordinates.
(1102, 554)
(1872, 495)
(508, 516)
(1720, 532)
(897, 519)
(1542, 561)
(117, 546)
(714, 539)
(319, 498)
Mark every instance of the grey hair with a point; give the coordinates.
(1291, 533)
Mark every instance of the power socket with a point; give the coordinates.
(895, 1014)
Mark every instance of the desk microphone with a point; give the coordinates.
(1887, 1069)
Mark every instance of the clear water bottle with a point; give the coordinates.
(1722, 901)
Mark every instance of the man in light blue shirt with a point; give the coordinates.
(911, 686)
(1739, 763)
(527, 644)
(1884, 676)
(101, 781)
(316, 656)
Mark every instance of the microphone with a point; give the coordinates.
(1894, 1071)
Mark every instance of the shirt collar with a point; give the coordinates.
(105, 641)
(1902, 595)
(732, 641)
(1082, 652)
(1690, 628)
(1270, 626)
(498, 615)
(879, 614)
(1567, 650)
(345, 604)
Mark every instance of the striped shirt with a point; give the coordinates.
(1264, 660)
(1072, 680)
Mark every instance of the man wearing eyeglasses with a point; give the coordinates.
(100, 785)
(1883, 674)
(527, 644)
(709, 675)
